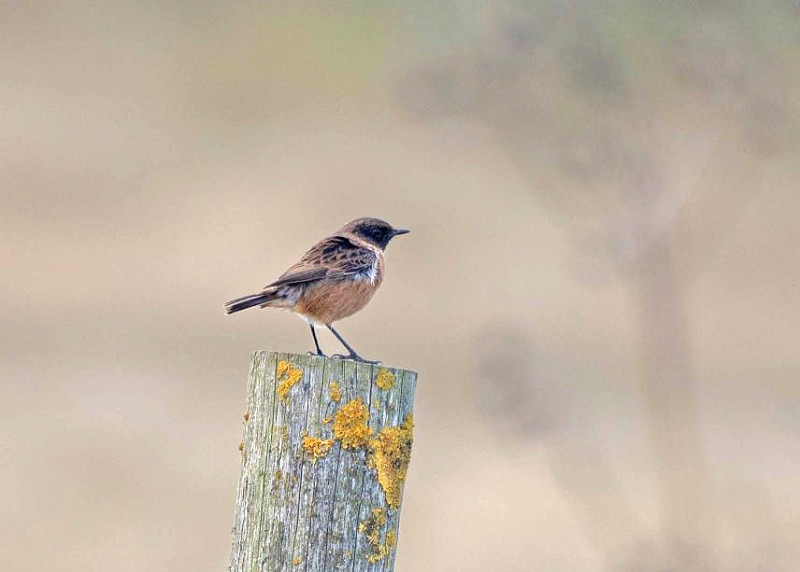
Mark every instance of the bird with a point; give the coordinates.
(336, 278)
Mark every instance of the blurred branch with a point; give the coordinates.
(560, 85)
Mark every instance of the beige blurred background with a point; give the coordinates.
(600, 291)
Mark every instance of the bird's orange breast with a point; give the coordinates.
(330, 300)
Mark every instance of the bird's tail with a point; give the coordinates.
(249, 301)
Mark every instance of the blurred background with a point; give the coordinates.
(600, 291)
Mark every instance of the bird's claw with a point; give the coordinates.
(320, 354)
(356, 357)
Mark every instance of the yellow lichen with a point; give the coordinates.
(327, 420)
(385, 379)
(315, 447)
(287, 375)
(246, 416)
(335, 392)
(241, 445)
(350, 424)
(390, 456)
(297, 561)
(372, 528)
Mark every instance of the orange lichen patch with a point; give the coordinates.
(315, 447)
(246, 416)
(287, 375)
(390, 456)
(385, 379)
(350, 424)
(297, 561)
(335, 393)
(371, 528)
(241, 445)
(327, 420)
(391, 538)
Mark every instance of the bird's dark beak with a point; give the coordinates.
(399, 231)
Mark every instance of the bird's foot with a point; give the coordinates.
(355, 357)
(320, 354)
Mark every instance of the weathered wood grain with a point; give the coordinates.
(311, 498)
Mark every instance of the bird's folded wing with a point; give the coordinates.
(334, 258)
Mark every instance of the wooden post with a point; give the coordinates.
(324, 458)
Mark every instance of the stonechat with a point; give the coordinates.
(333, 280)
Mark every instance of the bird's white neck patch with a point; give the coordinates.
(372, 273)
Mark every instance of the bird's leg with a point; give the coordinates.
(353, 355)
(316, 343)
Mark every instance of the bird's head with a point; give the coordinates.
(374, 230)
